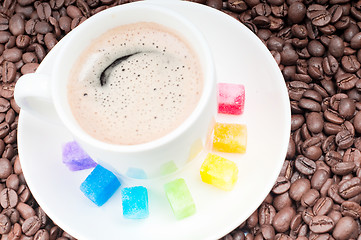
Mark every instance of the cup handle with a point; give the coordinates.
(32, 94)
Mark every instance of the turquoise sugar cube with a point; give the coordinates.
(100, 185)
(180, 198)
(135, 202)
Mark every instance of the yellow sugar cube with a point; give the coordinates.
(219, 172)
(230, 137)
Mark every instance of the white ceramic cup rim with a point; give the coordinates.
(208, 75)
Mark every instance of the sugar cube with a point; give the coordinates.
(75, 158)
(100, 185)
(219, 172)
(230, 137)
(136, 173)
(180, 198)
(168, 168)
(231, 98)
(135, 202)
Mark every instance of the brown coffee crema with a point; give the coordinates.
(134, 84)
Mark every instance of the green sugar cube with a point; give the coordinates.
(180, 198)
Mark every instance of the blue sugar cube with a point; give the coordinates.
(75, 158)
(100, 185)
(180, 198)
(136, 173)
(135, 202)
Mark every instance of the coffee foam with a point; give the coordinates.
(146, 96)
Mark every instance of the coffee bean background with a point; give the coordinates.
(317, 45)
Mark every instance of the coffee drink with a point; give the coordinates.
(134, 84)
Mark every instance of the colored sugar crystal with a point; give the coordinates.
(136, 173)
(100, 185)
(230, 137)
(219, 172)
(135, 202)
(168, 167)
(180, 198)
(231, 98)
(75, 158)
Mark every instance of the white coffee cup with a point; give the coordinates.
(152, 158)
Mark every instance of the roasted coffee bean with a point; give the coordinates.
(12, 54)
(299, 31)
(12, 214)
(296, 89)
(305, 165)
(355, 42)
(343, 168)
(322, 206)
(296, 12)
(336, 47)
(24, 193)
(351, 209)
(343, 23)
(319, 178)
(357, 122)
(315, 122)
(31, 226)
(5, 224)
(330, 65)
(321, 224)
(234, 5)
(309, 104)
(25, 210)
(282, 219)
(333, 193)
(332, 158)
(296, 121)
(266, 214)
(17, 25)
(15, 232)
(311, 147)
(281, 201)
(344, 139)
(252, 221)
(315, 48)
(350, 63)
(43, 10)
(12, 182)
(307, 215)
(42, 234)
(345, 228)
(346, 81)
(298, 188)
(282, 185)
(310, 197)
(350, 188)
(8, 198)
(329, 143)
(43, 27)
(5, 168)
(8, 72)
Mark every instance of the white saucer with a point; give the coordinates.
(241, 58)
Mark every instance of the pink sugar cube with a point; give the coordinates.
(231, 98)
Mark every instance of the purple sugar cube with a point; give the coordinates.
(100, 185)
(75, 158)
(231, 97)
